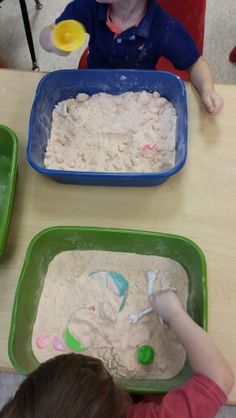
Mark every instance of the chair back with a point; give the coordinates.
(191, 13)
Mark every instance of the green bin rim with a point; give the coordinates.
(44, 232)
(8, 210)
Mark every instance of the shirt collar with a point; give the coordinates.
(144, 27)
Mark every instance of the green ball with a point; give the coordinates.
(145, 354)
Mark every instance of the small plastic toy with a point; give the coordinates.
(145, 354)
(68, 35)
(133, 318)
(42, 341)
(58, 344)
(72, 343)
(122, 284)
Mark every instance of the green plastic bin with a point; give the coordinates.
(50, 242)
(8, 171)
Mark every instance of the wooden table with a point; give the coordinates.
(199, 203)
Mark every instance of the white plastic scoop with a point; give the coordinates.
(152, 277)
(133, 318)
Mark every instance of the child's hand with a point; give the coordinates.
(202, 79)
(46, 43)
(166, 304)
(212, 101)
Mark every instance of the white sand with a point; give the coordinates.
(89, 306)
(131, 132)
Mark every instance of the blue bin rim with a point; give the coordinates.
(103, 174)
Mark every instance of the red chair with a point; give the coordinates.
(83, 63)
(232, 56)
(191, 13)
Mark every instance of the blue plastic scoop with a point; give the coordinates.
(121, 283)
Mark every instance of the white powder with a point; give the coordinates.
(131, 132)
(89, 305)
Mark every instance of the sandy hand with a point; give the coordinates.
(166, 304)
(212, 101)
(45, 40)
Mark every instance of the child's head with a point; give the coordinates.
(68, 386)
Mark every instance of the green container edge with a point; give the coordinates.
(128, 387)
(12, 182)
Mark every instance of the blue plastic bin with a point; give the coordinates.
(64, 84)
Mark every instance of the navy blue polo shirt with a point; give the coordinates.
(139, 47)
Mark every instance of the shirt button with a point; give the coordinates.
(119, 40)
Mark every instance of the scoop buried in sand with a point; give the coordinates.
(81, 322)
(116, 282)
(68, 35)
(72, 343)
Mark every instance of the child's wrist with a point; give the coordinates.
(177, 316)
(207, 89)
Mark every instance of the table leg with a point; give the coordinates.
(28, 33)
(38, 4)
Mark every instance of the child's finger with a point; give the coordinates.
(210, 104)
(218, 104)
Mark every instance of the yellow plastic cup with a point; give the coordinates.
(68, 35)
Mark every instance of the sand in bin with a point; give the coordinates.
(130, 132)
(78, 293)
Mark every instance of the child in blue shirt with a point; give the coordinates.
(135, 34)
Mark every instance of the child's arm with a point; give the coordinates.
(204, 356)
(201, 78)
(82, 11)
(45, 40)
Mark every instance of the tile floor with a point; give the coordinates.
(220, 38)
